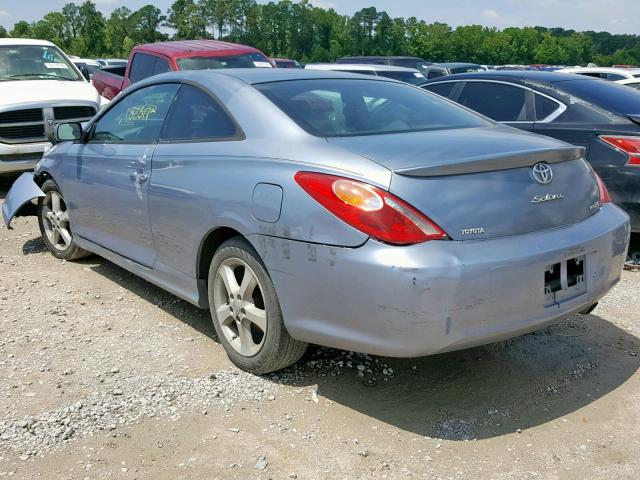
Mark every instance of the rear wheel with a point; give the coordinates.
(53, 219)
(246, 313)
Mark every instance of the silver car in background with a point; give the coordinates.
(321, 207)
(402, 74)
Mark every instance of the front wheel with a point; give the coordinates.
(246, 313)
(53, 219)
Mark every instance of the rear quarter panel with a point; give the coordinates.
(212, 186)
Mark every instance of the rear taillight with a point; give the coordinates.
(369, 209)
(628, 145)
(604, 192)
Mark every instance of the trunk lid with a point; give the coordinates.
(479, 183)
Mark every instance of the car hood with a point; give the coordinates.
(46, 91)
(404, 151)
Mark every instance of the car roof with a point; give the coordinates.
(255, 76)
(88, 61)
(24, 41)
(383, 57)
(516, 76)
(454, 64)
(621, 71)
(358, 67)
(186, 48)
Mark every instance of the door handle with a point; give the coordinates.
(137, 177)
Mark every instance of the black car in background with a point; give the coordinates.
(601, 116)
(437, 70)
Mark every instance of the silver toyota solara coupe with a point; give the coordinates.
(319, 207)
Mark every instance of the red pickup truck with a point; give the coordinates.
(155, 58)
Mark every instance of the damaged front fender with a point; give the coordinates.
(23, 190)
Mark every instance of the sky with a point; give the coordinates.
(615, 16)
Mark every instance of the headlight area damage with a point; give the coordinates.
(18, 201)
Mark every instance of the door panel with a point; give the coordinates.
(191, 181)
(110, 183)
(108, 177)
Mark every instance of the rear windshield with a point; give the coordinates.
(349, 107)
(248, 60)
(414, 78)
(608, 95)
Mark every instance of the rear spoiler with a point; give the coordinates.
(500, 161)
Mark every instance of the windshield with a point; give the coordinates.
(608, 95)
(35, 62)
(414, 78)
(248, 60)
(349, 107)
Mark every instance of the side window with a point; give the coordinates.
(436, 73)
(138, 117)
(444, 89)
(499, 102)
(615, 77)
(593, 74)
(141, 67)
(161, 66)
(195, 115)
(544, 107)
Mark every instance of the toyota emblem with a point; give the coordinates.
(542, 173)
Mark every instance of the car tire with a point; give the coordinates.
(246, 313)
(53, 219)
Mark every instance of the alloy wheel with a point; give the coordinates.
(239, 307)
(56, 221)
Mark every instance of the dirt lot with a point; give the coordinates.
(103, 375)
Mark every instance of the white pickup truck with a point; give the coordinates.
(39, 86)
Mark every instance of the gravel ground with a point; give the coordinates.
(103, 375)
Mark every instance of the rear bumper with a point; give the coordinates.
(440, 295)
(20, 157)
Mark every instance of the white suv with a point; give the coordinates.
(39, 87)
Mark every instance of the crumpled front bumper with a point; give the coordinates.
(440, 295)
(23, 190)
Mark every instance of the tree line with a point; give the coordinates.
(308, 33)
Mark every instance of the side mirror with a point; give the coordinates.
(67, 132)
